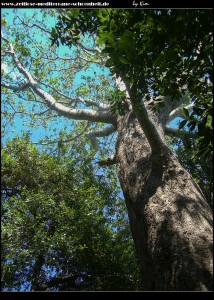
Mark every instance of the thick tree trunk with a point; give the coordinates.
(171, 222)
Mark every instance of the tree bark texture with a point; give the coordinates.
(171, 222)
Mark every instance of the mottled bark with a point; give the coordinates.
(171, 222)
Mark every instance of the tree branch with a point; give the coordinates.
(87, 102)
(93, 135)
(151, 132)
(178, 132)
(33, 25)
(108, 162)
(62, 141)
(75, 114)
(16, 88)
(153, 135)
(100, 106)
(179, 113)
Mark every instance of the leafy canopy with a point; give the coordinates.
(63, 227)
(158, 52)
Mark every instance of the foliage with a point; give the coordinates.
(67, 74)
(200, 167)
(158, 52)
(62, 227)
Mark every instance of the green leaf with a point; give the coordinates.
(209, 122)
(186, 112)
(191, 125)
(102, 28)
(123, 60)
(75, 13)
(107, 36)
(182, 124)
(112, 22)
(125, 43)
(109, 62)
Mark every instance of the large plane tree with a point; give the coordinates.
(160, 64)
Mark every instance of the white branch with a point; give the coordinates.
(16, 88)
(179, 113)
(93, 135)
(87, 102)
(100, 106)
(76, 114)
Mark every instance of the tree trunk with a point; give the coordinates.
(171, 222)
(35, 285)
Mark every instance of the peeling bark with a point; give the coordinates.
(171, 222)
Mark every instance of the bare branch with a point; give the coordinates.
(90, 61)
(87, 102)
(179, 113)
(21, 69)
(31, 100)
(100, 106)
(56, 91)
(93, 135)
(108, 162)
(33, 25)
(33, 114)
(59, 57)
(76, 114)
(63, 141)
(178, 132)
(16, 88)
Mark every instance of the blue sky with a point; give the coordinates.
(21, 124)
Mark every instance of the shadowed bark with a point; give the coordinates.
(171, 222)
